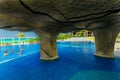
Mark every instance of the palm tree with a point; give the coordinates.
(20, 35)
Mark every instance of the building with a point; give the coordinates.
(82, 33)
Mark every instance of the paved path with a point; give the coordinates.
(77, 39)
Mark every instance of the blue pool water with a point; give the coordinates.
(14, 51)
(76, 62)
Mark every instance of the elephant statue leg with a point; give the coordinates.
(48, 45)
(105, 41)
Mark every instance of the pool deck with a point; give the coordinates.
(18, 44)
(78, 39)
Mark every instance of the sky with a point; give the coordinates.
(6, 33)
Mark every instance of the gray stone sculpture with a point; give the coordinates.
(50, 17)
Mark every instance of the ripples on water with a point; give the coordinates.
(14, 51)
(76, 62)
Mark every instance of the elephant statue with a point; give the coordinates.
(48, 18)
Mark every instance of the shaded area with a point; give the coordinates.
(48, 18)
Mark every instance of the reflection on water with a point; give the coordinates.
(96, 75)
(76, 62)
(86, 46)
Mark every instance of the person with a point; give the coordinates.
(5, 53)
(19, 52)
(21, 49)
(11, 50)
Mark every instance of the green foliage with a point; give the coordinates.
(80, 33)
(33, 40)
(63, 36)
(30, 40)
(118, 37)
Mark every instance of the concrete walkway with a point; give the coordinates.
(78, 39)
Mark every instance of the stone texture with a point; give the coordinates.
(48, 45)
(105, 41)
(105, 37)
(73, 9)
(50, 17)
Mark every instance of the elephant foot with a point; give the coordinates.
(105, 41)
(45, 57)
(104, 55)
(51, 55)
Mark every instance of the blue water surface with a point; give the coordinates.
(76, 62)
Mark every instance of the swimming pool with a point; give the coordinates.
(76, 62)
